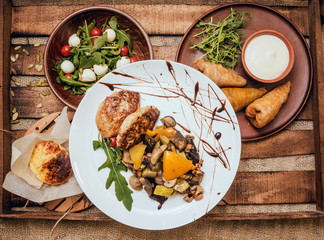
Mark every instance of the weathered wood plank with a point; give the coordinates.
(265, 188)
(5, 25)
(99, 216)
(297, 3)
(284, 143)
(272, 187)
(24, 60)
(156, 19)
(26, 100)
(318, 99)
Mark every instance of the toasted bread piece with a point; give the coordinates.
(136, 125)
(113, 111)
(50, 162)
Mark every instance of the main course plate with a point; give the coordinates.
(300, 76)
(171, 87)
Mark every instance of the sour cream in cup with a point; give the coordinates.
(267, 56)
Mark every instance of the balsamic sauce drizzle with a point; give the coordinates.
(202, 114)
(197, 107)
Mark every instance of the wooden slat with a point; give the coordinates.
(318, 99)
(99, 216)
(27, 98)
(156, 19)
(297, 3)
(284, 143)
(272, 187)
(5, 25)
(20, 65)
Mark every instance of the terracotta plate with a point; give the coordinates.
(300, 76)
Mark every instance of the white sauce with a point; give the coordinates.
(266, 57)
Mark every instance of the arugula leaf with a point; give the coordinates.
(76, 90)
(123, 37)
(96, 145)
(71, 82)
(99, 43)
(88, 62)
(113, 23)
(123, 193)
(221, 42)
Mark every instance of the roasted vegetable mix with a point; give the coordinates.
(165, 163)
(222, 42)
(92, 52)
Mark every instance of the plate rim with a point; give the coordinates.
(310, 82)
(236, 156)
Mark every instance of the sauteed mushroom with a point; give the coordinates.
(157, 153)
(135, 183)
(168, 121)
(178, 140)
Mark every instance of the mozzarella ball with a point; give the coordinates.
(111, 35)
(88, 75)
(74, 40)
(100, 69)
(67, 66)
(123, 61)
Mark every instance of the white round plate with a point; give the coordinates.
(169, 86)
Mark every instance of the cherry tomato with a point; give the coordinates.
(68, 75)
(65, 50)
(124, 51)
(112, 141)
(133, 59)
(106, 28)
(95, 32)
(93, 40)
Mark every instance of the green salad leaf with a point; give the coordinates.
(113, 23)
(222, 42)
(90, 52)
(113, 162)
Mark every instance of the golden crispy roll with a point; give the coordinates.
(136, 125)
(264, 109)
(241, 97)
(220, 75)
(50, 162)
(113, 111)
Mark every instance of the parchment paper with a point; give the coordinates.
(23, 182)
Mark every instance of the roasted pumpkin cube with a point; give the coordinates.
(163, 191)
(136, 153)
(174, 165)
(181, 186)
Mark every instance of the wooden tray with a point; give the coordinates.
(279, 177)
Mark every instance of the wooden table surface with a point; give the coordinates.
(268, 186)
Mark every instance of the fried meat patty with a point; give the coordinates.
(113, 111)
(136, 125)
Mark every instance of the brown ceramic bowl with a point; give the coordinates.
(289, 47)
(60, 35)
